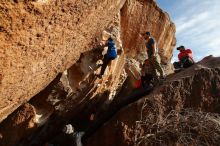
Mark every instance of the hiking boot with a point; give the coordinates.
(163, 77)
(148, 87)
(68, 129)
(178, 70)
(98, 76)
(161, 81)
(90, 68)
(77, 136)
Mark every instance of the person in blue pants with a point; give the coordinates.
(109, 56)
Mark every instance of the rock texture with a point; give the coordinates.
(139, 16)
(41, 38)
(78, 90)
(197, 88)
(22, 123)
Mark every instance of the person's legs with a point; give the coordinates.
(143, 81)
(155, 63)
(177, 65)
(188, 62)
(155, 76)
(147, 79)
(106, 61)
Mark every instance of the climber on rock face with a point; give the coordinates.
(185, 58)
(152, 52)
(110, 55)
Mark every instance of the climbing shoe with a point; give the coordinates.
(68, 129)
(98, 76)
(77, 136)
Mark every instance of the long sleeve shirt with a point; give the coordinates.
(185, 54)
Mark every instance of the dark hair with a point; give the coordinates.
(180, 47)
(148, 33)
(110, 39)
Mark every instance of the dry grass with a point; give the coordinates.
(186, 127)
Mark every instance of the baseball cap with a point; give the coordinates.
(178, 48)
(146, 33)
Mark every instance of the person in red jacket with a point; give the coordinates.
(185, 58)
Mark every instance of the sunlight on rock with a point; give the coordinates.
(43, 1)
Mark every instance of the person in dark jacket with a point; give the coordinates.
(152, 52)
(109, 56)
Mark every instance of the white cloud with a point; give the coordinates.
(185, 25)
(198, 27)
(197, 24)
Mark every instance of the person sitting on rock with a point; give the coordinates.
(147, 77)
(109, 56)
(185, 58)
(152, 53)
(147, 74)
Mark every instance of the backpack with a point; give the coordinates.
(112, 51)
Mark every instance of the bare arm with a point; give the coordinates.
(103, 43)
(154, 47)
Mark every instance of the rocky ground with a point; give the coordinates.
(182, 111)
(50, 56)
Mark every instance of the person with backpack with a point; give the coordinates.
(147, 77)
(109, 56)
(185, 58)
(153, 55)
(147, 74)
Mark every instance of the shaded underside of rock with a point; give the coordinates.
(39, 39)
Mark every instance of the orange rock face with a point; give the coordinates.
(21, 123)
(42, 38)
(39, 39)
(139, 16)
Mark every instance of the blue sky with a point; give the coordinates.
(197, 25)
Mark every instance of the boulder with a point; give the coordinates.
(18, 125)
(184, 110)
(139, 16)
(41, 38)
